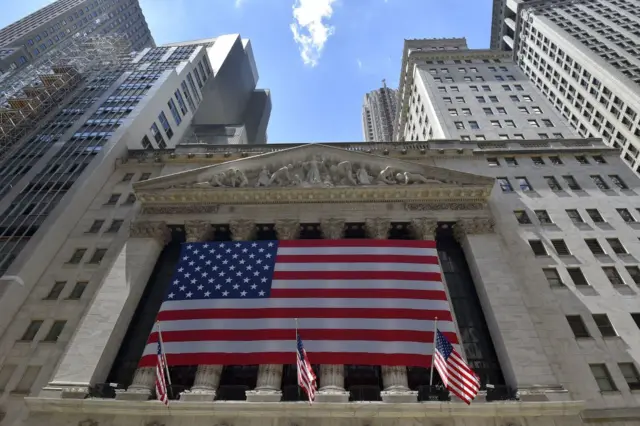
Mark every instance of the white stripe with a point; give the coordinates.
(314, 251)
(306, 324)
(372, 266)
(376, 303)
(359, 284)
(344, 346)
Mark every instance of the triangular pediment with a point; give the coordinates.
(305, 169)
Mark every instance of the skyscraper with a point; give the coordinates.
(55, 24)
(378, 114)
(450, 92)
(584, 58)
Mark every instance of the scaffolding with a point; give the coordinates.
(30, 93)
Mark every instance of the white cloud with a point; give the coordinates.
(309, 30)
(238, 3)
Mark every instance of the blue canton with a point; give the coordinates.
(443, 346)
(300, 348)
(224, 270)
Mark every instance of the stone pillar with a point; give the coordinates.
(509, 308)
(332, 375)
(394, 378)
(95, 344)
(207, 377)
(268, 387)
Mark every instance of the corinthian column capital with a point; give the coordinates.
(378, 228)
(332, 229)
(424, 228)
(473, 226)
(146, 229)
(197, 230)
(242, 229)
(287, 229)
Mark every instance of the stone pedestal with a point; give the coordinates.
(205, 385)
(142, 386)
(268, 385)
(332, 384)
(396, 387)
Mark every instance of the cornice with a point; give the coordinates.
(249, 410)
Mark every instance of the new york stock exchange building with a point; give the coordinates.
(543, 294)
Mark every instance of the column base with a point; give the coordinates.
(198, 395)
(332, 395)
(133, 394)
(399, 396)
(264, 395)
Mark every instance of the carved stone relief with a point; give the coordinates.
(424, 228)
(421, 207)
(242, 229)
(332, 229)
(287, 229)
(473, 226)
(197, 230)
(180, 208)
(377, 228)
(158, 230)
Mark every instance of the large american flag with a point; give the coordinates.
(456, 375)
(368, 302)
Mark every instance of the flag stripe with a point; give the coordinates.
(224, 358)
(364, 243)
(284, 334)
(366, 259)
(337, 293)
(307, 303)
(373, 284)
(357, 266)
(302, 313)
(359, 275)
(456, 375)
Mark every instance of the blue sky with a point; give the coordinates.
(343, 48)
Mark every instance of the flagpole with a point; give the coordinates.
(164, 357)
(433, 353)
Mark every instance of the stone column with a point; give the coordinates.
(268, 387)
(207, 377)
(509, 308)
(394, 378)
(95, 344)
(332, 375)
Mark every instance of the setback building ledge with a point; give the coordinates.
(242, 409)
(611, 414)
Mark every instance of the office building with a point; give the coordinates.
(584, 58)
(379, 110)
(448, 91)
(55, 24)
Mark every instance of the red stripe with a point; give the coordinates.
(356, 275)
(308, 334)
(359, 358)
(355, 258)
(358, 243)
(357, 293)
(264, 313)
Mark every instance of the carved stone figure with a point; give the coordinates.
(237, 178)
(386, 176)
(343, 173)
(363, 176)
(281, 176)
(313, 173)
(327, 182)
(406, 178)
(218, 179)
(264, 179)
(297, 180)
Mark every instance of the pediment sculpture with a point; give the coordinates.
(315, 172)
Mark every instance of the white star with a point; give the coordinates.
(256, 273)
(225, 293)
(185, 258)
(204, 275)
(215, 268)
(182, 288)
(171, 295)
(207, 293)
(198, 268)
(218, 256)
(180, 269)
(243, 293)
(249, 267)
(200, 287)
(242, 261)
(218, 286)
(237, 244)
(264, 279)
(193, 281)
(205, 245)
(251, 256)
(259, 261)
(254, 245)
(246, 280)
(208, 262)
(221, 245)
(261, 293)
(196, 251)
(192, 263)
(176, 282)
(187, 275)
(236, 286)
(244, 250)
(189, 246)
(239, 273)
(260, 249)
(212, 251)
(224, 262)
(268, 256)
(270, 244)
(189, 294)
(228, 280)
(211, 280)
(228, 250)
(235, 256)
(266, 267)
(254, 286)
(201, 257)
(232, 268)
(222, 274)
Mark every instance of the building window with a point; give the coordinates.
(618, 182)
(165, 124)
(505, 185)
(127, 177)
(31, 331)
(533, 123)
(496, 123)
(634, 271)
(113, 199)
(613, 275)
(537, 161)
(604, 325)
(600, 183)
(626, 215)
(501, 111)
(522, 217)
(595, 215)
(95, 227)
(453, 112)
(473, 125)
(131, 199)
(553, 278)
(571, 183)
(616, 246)
(459, 125)
(602, 377)
(98, 255)
(174, 112)
(510, 123)
(553, 183)
(630, 374)
(77, 291)
(582, 160)
(77, 256)
(55, 291)
(146, 143)
(599, 159)
(543, 217)
(547, 122)
(574, 215)
(155, 131)
(594, 246)
(144, 176)
(511, 161)
(524, 184)
(181, 104)
(538, 248)
(556, 161)
(115, 226)
(560, 247)
(577, 277)
(54, 331)
(493, 162)
(577, 326)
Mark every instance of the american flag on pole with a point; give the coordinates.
(369, 302)
(306, 377)
(456, 375)
(161, 382)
